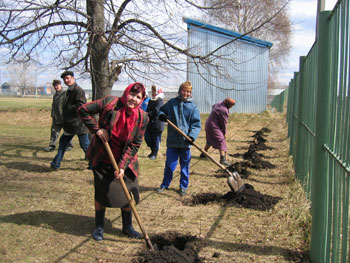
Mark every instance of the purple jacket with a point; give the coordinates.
(215, 126)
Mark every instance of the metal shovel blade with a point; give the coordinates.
(235, 182)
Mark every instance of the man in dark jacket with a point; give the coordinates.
(57, 116)
(72, 124)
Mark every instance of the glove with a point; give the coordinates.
(190, 142)
(163, 117)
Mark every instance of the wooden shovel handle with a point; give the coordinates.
(127, 194)
(200, 149)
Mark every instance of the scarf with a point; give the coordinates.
(159, 94)
(128, 117)
(124, 126)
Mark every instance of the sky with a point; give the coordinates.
(303, 18)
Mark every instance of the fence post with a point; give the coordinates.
(320, 183)
(298, 157)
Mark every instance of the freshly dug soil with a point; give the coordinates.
(258, 142)
(239, 167)
(172, 247)
(248, 198)
(254, 159)
(260, 146)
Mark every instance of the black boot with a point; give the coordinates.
(127, 225)
(223, 161)
(153, 155)
(99, 221)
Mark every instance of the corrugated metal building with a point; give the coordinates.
(239, 69)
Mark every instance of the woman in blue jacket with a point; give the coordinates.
(185, 115)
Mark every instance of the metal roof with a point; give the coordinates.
(229, 33)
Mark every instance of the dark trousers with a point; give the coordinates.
(153, 139)
(64, 141)
(55, 132)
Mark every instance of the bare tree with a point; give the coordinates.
(106, 39)
(244, 15)
(21, 75)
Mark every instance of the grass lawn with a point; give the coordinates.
(48, 216)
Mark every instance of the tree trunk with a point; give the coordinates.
(102, 78)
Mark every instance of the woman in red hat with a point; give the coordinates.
(215, 128)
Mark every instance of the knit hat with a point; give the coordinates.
(66, 73)
(56, 82)
(229, 102)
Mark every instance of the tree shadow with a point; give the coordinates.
(16, 151)
(72, 224)
(34, 168)
(25, 166)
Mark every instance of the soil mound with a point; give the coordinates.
(239, 167)
(248, 198)
(172, 247)
(254, 159)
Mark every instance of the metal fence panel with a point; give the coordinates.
(318, 117)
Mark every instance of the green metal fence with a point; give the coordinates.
(318, 117)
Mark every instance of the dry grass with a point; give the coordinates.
(47, 216)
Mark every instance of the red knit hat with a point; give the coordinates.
(229, 102)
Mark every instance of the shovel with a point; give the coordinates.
(234, 180)
(127, 194)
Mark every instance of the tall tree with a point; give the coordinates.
(245, 16)
(104, 38)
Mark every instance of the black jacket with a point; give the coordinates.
(153, 109)
(75, 97)
(57, 106)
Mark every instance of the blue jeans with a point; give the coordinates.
(172, 156)
(64, 142)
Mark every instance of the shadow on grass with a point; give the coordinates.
(18, 150)
(61, 222)
(262, 250)
(25, 166)
(28, 167)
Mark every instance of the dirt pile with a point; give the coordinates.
(253, 158)
(172, 247)
(248, 198)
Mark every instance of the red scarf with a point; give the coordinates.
(125, 124)
(128, 117)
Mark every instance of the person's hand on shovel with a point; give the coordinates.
(119, 174)
(191, 141)
(163, 117)
(103, 135)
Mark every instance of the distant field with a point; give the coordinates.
(16, 103)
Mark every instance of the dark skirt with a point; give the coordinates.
(108, 190)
